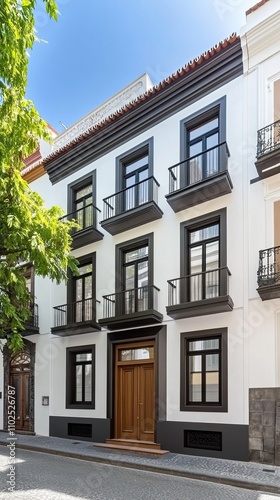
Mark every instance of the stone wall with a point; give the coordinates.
(264, 425)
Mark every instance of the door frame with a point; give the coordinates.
(158, 335)
(29, 347)
(118, 364)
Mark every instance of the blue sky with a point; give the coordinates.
(97, 47)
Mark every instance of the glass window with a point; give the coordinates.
(80, 377)
(202, 151)
(204, 370)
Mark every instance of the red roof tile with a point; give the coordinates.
(256, 7)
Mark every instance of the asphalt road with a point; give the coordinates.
(48, 477)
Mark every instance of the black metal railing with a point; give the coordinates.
(75, 312)
(131, 197)
(199, 286)
(268, 139)
(85, 217)
(199, 167)
(130, 301)
(33, 320)
(269, 266)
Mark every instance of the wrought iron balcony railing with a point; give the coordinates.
(33, 319)
(86, 217)
(131, 197)
(199, 286)
(269, 266)
(268, 139)
(131, 301)
(199, 167)
(75, 312)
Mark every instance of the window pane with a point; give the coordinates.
(85, 269)
(212, 155)
(78, 383)
(84, 356)
(129, 277)
(137, 164)
(80, 193)
(88, 385)
(204, 233)
(195, 379)
(137, 253)
(88, 287)
(203, 345)
(212, 378)
(79, 290)
(139, 353)
(142, 274)
(204, 128)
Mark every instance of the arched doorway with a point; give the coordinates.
(19, 373)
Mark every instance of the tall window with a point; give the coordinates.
(204, 262)
(135, 282)
(81, 292)
(133, 176)
(204, 257)
(80, 377)
(83, 206)
(134, 275)
(204, 370)
(81, 201)
(202, 148)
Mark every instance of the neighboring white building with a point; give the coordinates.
(163, 336)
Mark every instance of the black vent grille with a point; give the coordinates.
(204, 440)
(80, 430)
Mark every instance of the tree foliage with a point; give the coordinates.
(29, 232)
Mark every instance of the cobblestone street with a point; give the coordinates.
(49, 477)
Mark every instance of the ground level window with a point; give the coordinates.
(204, 370)
(80, 377)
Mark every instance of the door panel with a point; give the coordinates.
(127, 402)
(146, 402)
(135, 393)
(20, 381)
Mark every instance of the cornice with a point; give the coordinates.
(218, 70)
(262, 36)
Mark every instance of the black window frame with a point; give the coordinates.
(73, 187)
(85, 259)
(220, 217)
(145, 148)
(71, 353)
(186, 337)
(121, 250)
(213, 110)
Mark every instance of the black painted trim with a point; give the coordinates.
(220, 69)
(59, 428)
(148, 212)
(235, 439)
(70, 351)
(222, 333)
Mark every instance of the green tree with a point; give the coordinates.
(29, 232)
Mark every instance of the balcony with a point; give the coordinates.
(268, 150)
(32, 324)
(131, 207)
(199, 178)
(199, 294)
(130, 308)
(75, 318)
(87, 233)
(268, 274)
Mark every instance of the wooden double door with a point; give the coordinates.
(135, 391)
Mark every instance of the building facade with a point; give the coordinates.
(169, 334)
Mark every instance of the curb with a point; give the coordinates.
(159, 470)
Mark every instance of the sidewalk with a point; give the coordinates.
(243, 474)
